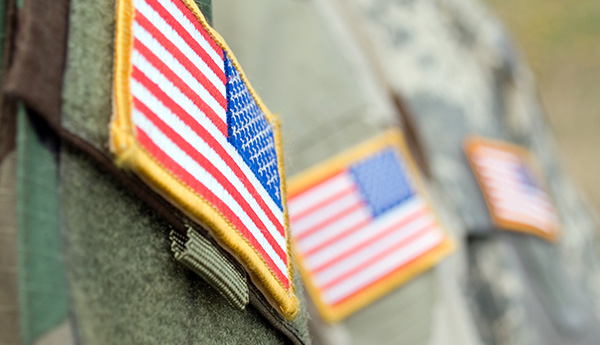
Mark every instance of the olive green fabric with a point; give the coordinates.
(43, 294)
(9, 306)
(87, 89)
(126, 286)
(206, 7)
(199, 255)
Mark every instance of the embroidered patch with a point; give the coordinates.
(513, 189)
(362, 225)
(188, 123)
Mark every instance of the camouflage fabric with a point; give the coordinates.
(304, 61)
(457, 68)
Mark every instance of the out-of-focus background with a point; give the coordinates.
(560, 39)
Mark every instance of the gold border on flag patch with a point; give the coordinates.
(187, 121)
(513, 187)
(362, 225)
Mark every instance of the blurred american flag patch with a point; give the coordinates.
(361, 226)
(514, 192)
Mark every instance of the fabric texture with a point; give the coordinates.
(7, 109)
(43, 293)
(199, 255)
(9, 295)
(9, 307)
(205, 7)
(87, 79)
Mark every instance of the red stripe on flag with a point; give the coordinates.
(184, 60)
(376, 258)
(212, 170)
(346, 233)
(324, 202)
(206, 193)
(180, 84)
(299, 192)
(335, 217)
(375, 282)
(210, 140)
(349, 251)
(186, 11)
(187, 37)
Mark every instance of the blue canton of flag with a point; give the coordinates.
(382, 181)
(251, 134)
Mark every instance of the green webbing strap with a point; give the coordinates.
(201, 256)
(42, 286)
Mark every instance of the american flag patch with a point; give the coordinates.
(361, 226)
(513, 190)
(188, 122)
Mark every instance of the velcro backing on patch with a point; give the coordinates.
(513, 187)
(189, 124)
(362, 225)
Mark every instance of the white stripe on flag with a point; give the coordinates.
(532, 203)
(302, 202)
(512, 198)
(186, 76)
(326, 212)
(201, 175)
(337, 228)
(382, 267)
(191, 109)
(206, 150)
(363, 255)
(185, 48)
(369, 231)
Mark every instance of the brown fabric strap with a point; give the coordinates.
(7, 108)
(39, 58)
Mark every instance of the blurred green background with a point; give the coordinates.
(560, 39)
